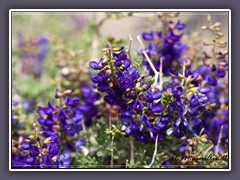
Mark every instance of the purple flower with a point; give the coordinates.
(34, 151)
(96, 65)
(204, 90)
(138, 106)
(79, 143)
(148, 36)
(156, 107)
(180, 25)
(220, 72)
(26, 145)
(72, 102)
(65, 159)
(103, 87)
(120, 56)
(151, 96)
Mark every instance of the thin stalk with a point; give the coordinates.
(160, 73)
(207, 150)
(184, 67)
(112, 151)
(219, 140)
(129, 47)
(156, 74)
(84, 130)
(132, 149)
(59, 88)
(112, 141)
(146, 56)
(154, 154)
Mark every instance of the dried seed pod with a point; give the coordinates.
(207, 43)
(216, 24)
(217, 29)
(209, 18)
(47, 140)
(32, 137)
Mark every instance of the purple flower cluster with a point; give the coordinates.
(87, 106)
(19, 111)
(32, 53)
(166, 44)
(56, 122)
(32, 153)
(139, 107)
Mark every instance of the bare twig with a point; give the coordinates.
(146, 56)
(112, 151)
(184, 67)
(160, 73)
(149, 61)
(207, 150)
(59, 88)
(219, 140)
(84, 130)
(112, 140)
(154, 154)
(155, 80)
(132, 149)
(129, 47)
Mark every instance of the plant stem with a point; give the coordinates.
(219, 140)
(132, 149)
(59, 88)
(112, 151)
(84, 130)
(154, 154)
(129, 47)
(160, 73)
(149, 61)
(146, 56)
(184, 67)
(112, 141)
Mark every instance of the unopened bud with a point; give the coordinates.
(54, 159)
(47, 140)
(32, 137)
(195, 89)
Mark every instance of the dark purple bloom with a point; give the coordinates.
(103, 87)
(29, 160)
(138, 106)
(61, 115)
(156, 107)
(53, 148)
(54, 137)
(126, 64)
(174, 72)
(180, 25)
(162, 121)
(79, 143)
(26, 145)
(110, 98)
(211, 81)
(148, 36)
(178, 91)
(94, 65)
(65, 159)
(203, 99)
(173, 36)
(220, 72)
(73, 102)
(204, 90)
(121, 56)
(34, 151)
